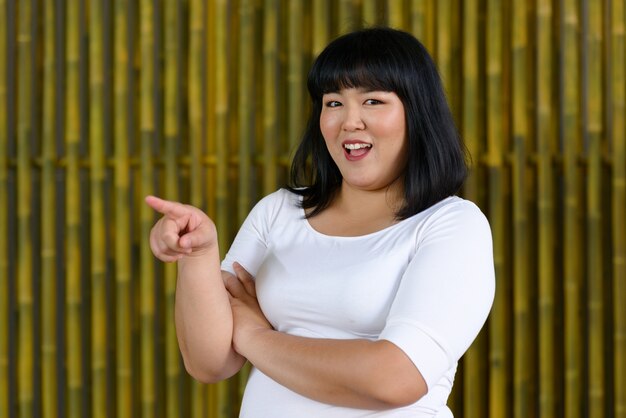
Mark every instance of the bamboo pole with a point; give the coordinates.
(123, 304)
(49, 373)
(98, 243)
(572, 252)
(4, 217)
(347, 16)
(418, 19)
(25, 134)
(595, 250)
(74, 351)
(270, 84)
(146, 288)
(195, 144)
(546, 210)
(371, 13)
(245, 105)
(172, 122)
(497, 144)
(474, 394)
(295, 71)
(321, 23)
(523, 401)
(396, 14)
(618, 189)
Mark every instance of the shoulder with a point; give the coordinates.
(457, 217)
(275, 205)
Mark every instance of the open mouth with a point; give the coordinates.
(357, 149)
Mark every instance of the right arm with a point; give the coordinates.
(203, 316)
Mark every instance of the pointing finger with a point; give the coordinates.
(166, 207)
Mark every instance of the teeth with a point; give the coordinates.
(357, 146)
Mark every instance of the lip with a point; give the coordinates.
(351, 157)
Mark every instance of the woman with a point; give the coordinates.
(355, 291)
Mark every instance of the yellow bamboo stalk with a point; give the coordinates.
(49, 383)
(146, 289)
(418, 19)
(96, 198)
(595, 250)
(546, 133)
(72, 205)
(24, 192)
(4, 218)
(270, 83)
(295, 71)
(195, 97)
(474, 360)
(321, 23)
(521, 286)
(123, 304)
(245, 104)
(347, 15)
(195, 145)
(396, 14)
(443, 51)
(572, 251)
(372, 13)
(497, 146)
(172, 91)
(618, 189)
(221, 123)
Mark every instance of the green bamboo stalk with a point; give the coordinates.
(49, 372)
(245, 105)
(618, 189)
(146, 216)
(474, 360)
(546, 211)
(24, 192)
(123, 304)
(497, 144)
(270, 83)
(443, 51)
(522, 320)
(595, 250)
(572, 251)
(96, 199)
(72, 204)
(295, 72)
(172, 137)
(4, 219)
(396, 14)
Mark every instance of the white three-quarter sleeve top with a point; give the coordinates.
(426, 284)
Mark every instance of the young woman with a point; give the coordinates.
(354, 291)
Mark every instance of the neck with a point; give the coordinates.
(388, 200)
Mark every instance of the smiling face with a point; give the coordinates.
(365, 133)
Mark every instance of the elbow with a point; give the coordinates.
(400, 394)
(204, 373)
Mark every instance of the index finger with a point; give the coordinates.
(166, 207)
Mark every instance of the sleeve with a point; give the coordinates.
(446, 292)
(250, 245)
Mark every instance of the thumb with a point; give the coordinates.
(194, 239)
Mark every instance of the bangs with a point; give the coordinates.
(366, 65)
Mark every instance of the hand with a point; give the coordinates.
(183, 230)
(248, 318)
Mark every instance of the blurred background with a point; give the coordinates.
(105, 101)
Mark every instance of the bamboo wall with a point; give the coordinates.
(105, 101)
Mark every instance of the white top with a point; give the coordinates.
(425, 284)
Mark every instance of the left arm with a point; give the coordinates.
(355, 373)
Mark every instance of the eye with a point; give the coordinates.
(373, 102)
(333, 103)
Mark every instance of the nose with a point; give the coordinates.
(353, 120)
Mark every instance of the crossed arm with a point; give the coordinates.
(220, 325)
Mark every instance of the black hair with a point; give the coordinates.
(388, 60)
